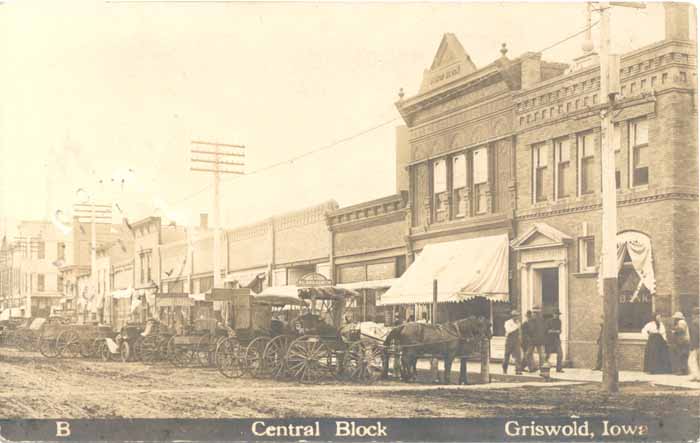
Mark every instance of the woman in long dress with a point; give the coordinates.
(656, 356)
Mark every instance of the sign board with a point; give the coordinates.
(226, 294)
(314, 280)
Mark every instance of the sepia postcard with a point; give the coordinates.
(339, 221)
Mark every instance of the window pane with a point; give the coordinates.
(641, 133)
(587, 175)
(562, 179)
(480, 199)
(481, 169)
(459, 171)
(585, 144)
(539, 184)
(439, 177)
(540, 155)
(640, 157)
(563, 150)
(634, 306)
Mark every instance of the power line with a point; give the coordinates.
(569, 37)
(295, 158)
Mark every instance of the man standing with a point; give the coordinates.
(536, 339)
(554, 338)
(524, 342)
(680, 345)
(513, 343)
(694, 356)
(599, 343)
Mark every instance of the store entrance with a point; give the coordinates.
(549, 289)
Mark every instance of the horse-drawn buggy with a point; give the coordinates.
(82, 340)
(261, 331)
(136, 341)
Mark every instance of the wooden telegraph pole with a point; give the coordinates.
(609, 88)
(216, 158)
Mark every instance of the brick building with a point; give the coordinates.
(514, 148)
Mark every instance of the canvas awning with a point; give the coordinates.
(464, 269)
(289, 291)
(278, 300)
(373, 284)
(122, 293)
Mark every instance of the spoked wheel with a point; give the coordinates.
(179, 355)
(254, 362)
(363, 362)
(68, 344)
(150, 349)
(105, 353)
(274, 354)
(203, 352)
(309, 359)
(125, 351)
(228, 358)
(47, 346)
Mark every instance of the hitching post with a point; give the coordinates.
(434, 321)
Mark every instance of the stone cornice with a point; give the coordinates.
(629, 198)
(381, 210)
(455, 227)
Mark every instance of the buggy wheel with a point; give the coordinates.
(47, 347)
(254, 362)
(274, 356)
(125, 351)
(68, 344)
(179, 355)
(363, 362)
(309, 359)
(136, 349)
(105, 353)
(228, 358)
(150, 349)
(203, 352)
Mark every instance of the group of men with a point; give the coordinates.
(536, 334)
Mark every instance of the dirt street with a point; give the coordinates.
(37, 387)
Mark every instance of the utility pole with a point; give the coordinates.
(217, 159)
(609, 87)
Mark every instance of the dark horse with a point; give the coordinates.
(448, 340)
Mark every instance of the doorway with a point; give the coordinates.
(549, 289)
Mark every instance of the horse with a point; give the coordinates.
(449, 340)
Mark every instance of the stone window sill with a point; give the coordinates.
(586, 274)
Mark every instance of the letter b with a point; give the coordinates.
(62, 429)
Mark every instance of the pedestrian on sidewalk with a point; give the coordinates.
(680, 344)
(536, 340)
(553, 345)
(513, 343)
(694, 356)
(599, 342)
(656, 355)
(525, 342)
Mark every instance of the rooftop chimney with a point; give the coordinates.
(203, 221)
(677, 20)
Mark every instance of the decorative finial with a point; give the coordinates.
(401, 94)
(504, 50)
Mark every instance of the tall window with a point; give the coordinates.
(142, 262)
(148, 266)
(439, 188)
(481, 178)
(639, 147)
(586, 254)
(59, 283)
(635, 304)
(40, 282)
(562, 154)
(61, 251)
(145, 259)
(41, 250)
(586, 155)
(459, 185)
(539, 171)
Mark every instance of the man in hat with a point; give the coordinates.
(553, 344)
(536, 338)
(694, 356)
(680, 344)
(513, 343)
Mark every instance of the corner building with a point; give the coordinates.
(514, 148)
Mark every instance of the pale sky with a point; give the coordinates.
(92, 89)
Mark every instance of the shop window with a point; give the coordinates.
(481, 179)
(459, 185)
(40, 282)
(176, 286)
(205, 284)
(586, 153)
(635, 301)
(539, 171)
(639, 145)
(562, 153)
(586, 255)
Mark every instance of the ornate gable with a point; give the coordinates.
(450, 63)
(540, 235)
